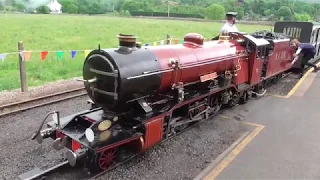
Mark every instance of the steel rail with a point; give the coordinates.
(42, 173)
(23, 105)
(93, 176)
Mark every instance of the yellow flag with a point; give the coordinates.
(86, 52)
(154, 43)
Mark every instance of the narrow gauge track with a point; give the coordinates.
(40, 101)
(64, 166)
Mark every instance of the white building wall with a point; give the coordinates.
(55, 7)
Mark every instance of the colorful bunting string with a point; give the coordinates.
(3, 57)
(86, 52)
(26, 55)
(73, 54)
(60, 55)
(44, 55)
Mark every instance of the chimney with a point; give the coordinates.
(127, 40)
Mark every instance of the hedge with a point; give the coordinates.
(164, 14)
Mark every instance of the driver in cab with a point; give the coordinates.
(230, 26)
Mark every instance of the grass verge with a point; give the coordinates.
(71, 32)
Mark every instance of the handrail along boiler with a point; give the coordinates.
(143, 95)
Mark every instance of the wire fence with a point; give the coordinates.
(25, 55)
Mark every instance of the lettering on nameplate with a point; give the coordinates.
(281, 55)
(208, 77)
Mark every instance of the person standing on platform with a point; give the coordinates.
(306, 51)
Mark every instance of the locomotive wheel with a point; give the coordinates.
(105, 160)
(233, 101)
(180, 128)
(244, 99)
(215, 105)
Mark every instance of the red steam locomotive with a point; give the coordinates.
(143, 95)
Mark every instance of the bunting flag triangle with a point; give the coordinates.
(86, 52)
(162, 42)
(154, 43)
(3, 57)
(176, 41)
(181, 41)
(60, 55)
(44, 55)
(27, 55)
(73, 54)
(147, 44)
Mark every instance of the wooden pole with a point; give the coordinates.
(22, 64)
(168, 39)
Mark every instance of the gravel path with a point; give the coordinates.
(283, 87)
(19, 153)
(33, 92)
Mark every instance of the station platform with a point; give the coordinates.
(286, 141)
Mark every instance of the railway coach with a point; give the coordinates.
(305, 32)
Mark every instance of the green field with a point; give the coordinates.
(62, 32)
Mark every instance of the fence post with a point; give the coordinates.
(168, 39)
(22, 64)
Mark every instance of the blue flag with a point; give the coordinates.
(73, 53)
(3, 57)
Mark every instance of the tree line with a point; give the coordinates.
(272, 10)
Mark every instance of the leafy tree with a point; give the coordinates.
(258, 6)
(43, 10)
(303, 17)
(133, 6)
(69, 6)
(20, 7)
(215, 12)
(251, 9)
(9, 8)
(124, 13)
(284, 12)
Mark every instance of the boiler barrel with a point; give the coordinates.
(112, 91)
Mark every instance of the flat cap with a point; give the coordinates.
(232, 14)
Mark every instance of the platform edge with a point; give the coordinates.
(220, 158)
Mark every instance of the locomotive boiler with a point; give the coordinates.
(115, 76)
(144, 95)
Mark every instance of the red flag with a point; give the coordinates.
(44, 55)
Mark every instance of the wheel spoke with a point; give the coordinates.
(106, 159)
